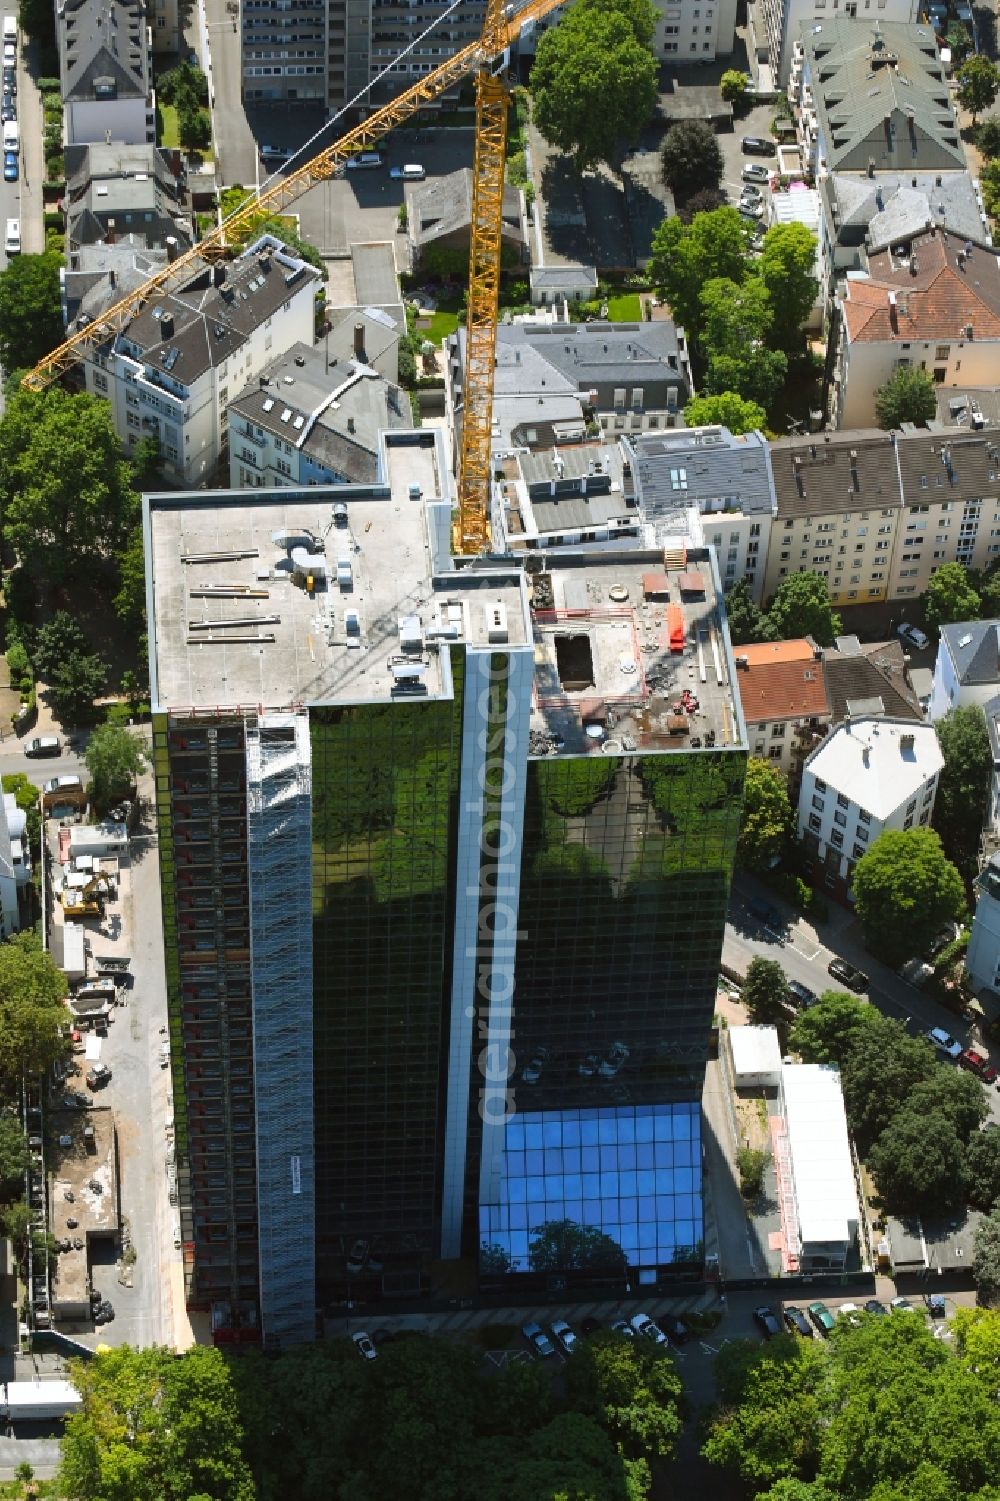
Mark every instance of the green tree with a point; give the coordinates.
(563, 1245)
(986, 1258)
(736, 320)
(78, 680)
(65, 489)
(733, 86)
(725, 410)
(194, 127)
(977, 1340)
(982, 1168)
(593, 85)
(879, 1074)
(632, 1388)
(917, 1164)
(978, 85)
(958, 1097)
(691, 158)
(115, 757)
(702, 201)
(988, 138)
(155, 1426)
(14, 1156)
(950, 596)
(770, 1425)
(905, 887)
(686, 256)
(802, 607)
(751, 1165)
(964, 784)
(30, 310)
(827, 1031)
(747, 622)
(787, 268)
(908, 396)
(185, 83)
(959, 40)
(57, 639)
(765, 992)
(32, 1015)
(768, 820)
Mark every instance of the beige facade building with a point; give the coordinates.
(950, 486)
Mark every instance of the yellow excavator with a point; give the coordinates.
(86, 901)
(485, 59)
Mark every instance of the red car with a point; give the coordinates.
(977, 1064)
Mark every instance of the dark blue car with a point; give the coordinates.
(10, 170)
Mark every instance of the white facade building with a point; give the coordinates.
(869, 775)
(777, 24)
(105, 72)
(967, 670)
(820, 1167)
(171, 372)
(756, 1057)
(686, 33)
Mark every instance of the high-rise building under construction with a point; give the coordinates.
(446, 851)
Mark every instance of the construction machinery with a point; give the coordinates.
(485, 60)
(87, 901)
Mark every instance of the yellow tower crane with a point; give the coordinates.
(503, 24)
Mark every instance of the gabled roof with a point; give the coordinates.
(875, 671)
(950, 465)
(782, 690)
(103, 51)
(702, 466)
(443, 206)
(937, 290)
(974, 648)
(840, 471)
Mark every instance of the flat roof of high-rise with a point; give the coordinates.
(631, 653)
(278, 597)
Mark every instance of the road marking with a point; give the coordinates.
(709, 1349)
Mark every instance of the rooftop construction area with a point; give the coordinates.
(84, 1201)
(630, 654)
(333, 594)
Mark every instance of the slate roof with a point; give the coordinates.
(974, 648)
(946, 292)
(875, 670)
(92, 161)
(880, 95)
(580, 357)
(955, 466)
(103, 43)
(212, 321)
(782, 690)
(578, 278)
(87, 287)
(442, 206)
(817, 475)
(715, 464)
(382, 331)
(364, 401)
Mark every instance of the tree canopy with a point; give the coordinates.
(768, 819)
(594, 81)
(747, 621)
(787, 268)
(950, 596)
(30, 310)
(32, 1015)
(65, 489)
(115, 757)
(982, 1168)
(801, 607)
(736, 320)
(986, 1258)
(765, 992)
(686, 256)
(978, 85)
(691, 158)
(917, 1163)
(907, 396)
(905, 887)
(725, 410)
(733, 86)
(827, 1031)
(964, 783)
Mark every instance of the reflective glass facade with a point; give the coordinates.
(631, 1172)
(384, 782)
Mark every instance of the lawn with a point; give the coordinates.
(625, 309)
(169, 132)
(438, 326)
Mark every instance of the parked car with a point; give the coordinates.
(848, 975)
(8, 110)
(850, 1313)
(565, 1335)
(538, 1339)
(10, 166)
(532, 1071)
(623, 1327)
(912, 635)
(821, 1317)
(674, 1329)
(801, 994)
(901, 1305)
(753, 193)
(874, 1306)
(976, 1063)
(766, 1321)
(765, 913)
(590, 1326)
(754, 172)
(98, 1076)
(43, 745)
(944, 1043)
(758, 146)
(363, 1344)
(796, 1321)
(751, 210)
(643, 1324)
(412, 172)
(935, 1304)
(10, 79)
(589, 1065)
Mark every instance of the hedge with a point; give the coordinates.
(53, 220)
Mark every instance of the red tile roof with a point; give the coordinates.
(945, 294)
(782, 690)
(801, 649)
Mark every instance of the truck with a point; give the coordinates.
(38, 1401)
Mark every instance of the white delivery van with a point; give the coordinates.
(12, 246)
(10, 31)
(11, 136)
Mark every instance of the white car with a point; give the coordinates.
(363, 1345)
(643, 1324)
(412, 172)
(538, 1339)
(565, 1335)
(851, 1312)
(623, 1327)
(913, 635)
(754, 172)
(944, 1042)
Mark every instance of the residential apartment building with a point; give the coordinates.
(699, 33)
(935, 306)
(575, 495)
(838, 510)
(967, 669)
(722, 478)
(869, 775)
(171, 371)
(950, 484)
(982, 959)
(777, 26)
(164, 27)
(301, 423)
(871, 96)
(327, 802)
(105, 72)
(118, 190)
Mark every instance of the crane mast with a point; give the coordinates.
(503, 24)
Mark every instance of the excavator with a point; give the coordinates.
(87, 901)
(486, 60)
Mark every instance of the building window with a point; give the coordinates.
(842, 801)
(820, 785)
(837, 839)
(864, 817)
(818, 802)
(777, 731)
(840, 819)
(775, 752)
(908, 824)
(858, 851)
(814, 823)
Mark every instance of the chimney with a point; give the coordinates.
(109, 233)
(359, 341)
(350, 425)
(913, 265)
(967, 331)
(219, 273)
(111, 279)
(893, 317)
(167, 325)
(866, 755)
(171, 244)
